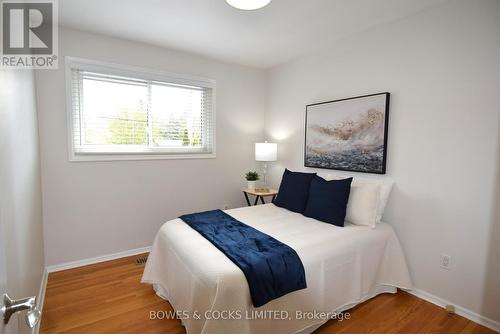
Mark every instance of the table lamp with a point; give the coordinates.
(266, 152)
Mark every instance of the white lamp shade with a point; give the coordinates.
(248, 4)
(266, 151)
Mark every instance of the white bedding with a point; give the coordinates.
(343, 266)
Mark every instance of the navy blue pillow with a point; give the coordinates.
(328, 200)
(294, 190)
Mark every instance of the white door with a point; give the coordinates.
(21, 237)
(5, 201)
(3, 276)
(11, 328)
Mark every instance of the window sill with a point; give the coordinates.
(125, 157)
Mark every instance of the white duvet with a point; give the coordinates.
(344, 266)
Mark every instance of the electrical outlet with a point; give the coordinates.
(445, 261)
(226, 206)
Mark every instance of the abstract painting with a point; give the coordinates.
(348, 134)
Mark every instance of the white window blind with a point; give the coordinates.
(139, 114)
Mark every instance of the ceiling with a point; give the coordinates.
(280, 32)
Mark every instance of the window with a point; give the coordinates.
(121, 113)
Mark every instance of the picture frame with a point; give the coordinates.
(348, 134)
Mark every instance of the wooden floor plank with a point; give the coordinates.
(108, 298)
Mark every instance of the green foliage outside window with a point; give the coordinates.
(129, 128)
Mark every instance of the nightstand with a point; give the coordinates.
(259, 194)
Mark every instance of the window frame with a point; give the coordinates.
(143, 74)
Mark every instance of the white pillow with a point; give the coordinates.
(363, 204)
(385, 191)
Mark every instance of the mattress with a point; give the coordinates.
(344, 266)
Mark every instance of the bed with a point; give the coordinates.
(344, 266)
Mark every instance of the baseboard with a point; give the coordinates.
(98, 259)
(41, 298)
(462, 311)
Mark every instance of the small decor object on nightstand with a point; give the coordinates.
(252, 178)
(259, 194)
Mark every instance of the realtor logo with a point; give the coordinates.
(29, 34)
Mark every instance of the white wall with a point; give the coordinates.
(20, 188)
(442, 68)
(98, 208)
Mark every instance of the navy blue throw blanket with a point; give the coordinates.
(272, 269)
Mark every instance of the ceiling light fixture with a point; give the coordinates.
(248, 4)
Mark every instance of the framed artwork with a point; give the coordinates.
(348, 134)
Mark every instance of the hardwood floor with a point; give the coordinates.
(109, 298)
